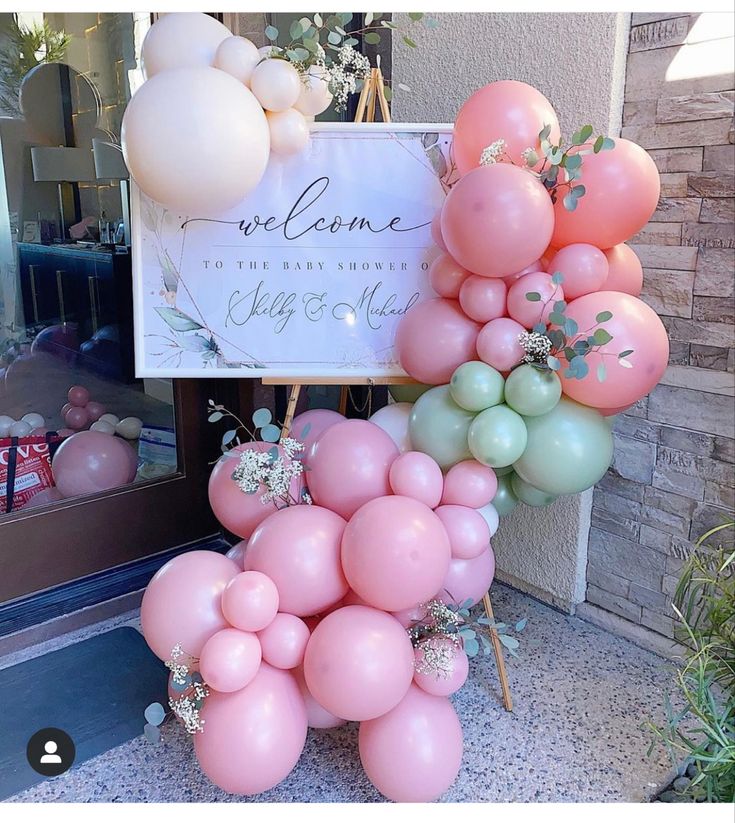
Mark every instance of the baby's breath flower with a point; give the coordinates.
(348, 67)
(491, 154)
(536, 345)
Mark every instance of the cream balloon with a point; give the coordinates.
(102, 426)
(195, 140)
(112, 419)
(315, 96)
(129, 428)
(289, 131)
(393, 420)
(276, 84)
(181, 40)
(238, 56)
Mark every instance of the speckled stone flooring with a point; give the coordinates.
(575, 735)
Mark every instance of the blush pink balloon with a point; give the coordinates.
(349, 465)
(95, 410)
(537, 265)
(504, 110)
(622, 190)
(446, 276)
(433, 339)
(64, 409)
(44, 497)
(237, 553)
(182, 603)
(314, 422)
(583, 267)
(469, 483)
(77, 418)
(447, 682)
(468, 579)
(299, 549)
(633, 326)
(78, 396)
(498, 345)
(358, 663)
(414, 614)
(415, 474)
(413, 753)
(284, 641)
(91, 462)
(250, 601)
(65, 432)
(317, 716)
(230, 659)
(395, 552)
(468, 532)
(497, 219)
(254, 737)
(436, 230)
(625, 271)
(352, 599)
(527, 312)
(483, 298)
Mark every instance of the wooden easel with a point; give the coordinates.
(373, 95)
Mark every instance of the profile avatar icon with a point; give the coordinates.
(50, 752)
(50, 748)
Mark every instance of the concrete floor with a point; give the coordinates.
(575, 735)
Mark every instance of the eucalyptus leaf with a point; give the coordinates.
(471, 647)
(573, 161)
(557, 278)
(539, 328)
(437, 160)
(155, 714)
(625, 353)
(215, 416)
(175, 686)
(533, 296)
(557, 318)
(270, 433)
(545, 132)
(409, 42)
(388, 92)
(372, 37)
(369, 18)
(345, 17)
(521, 624)
(334, 38)
(585, 133)
(262, 417)
(626, 364)
(570, 202)
(601, 372)
(271, 32)
(597, 148)
(404, 87)
(570, 327)
(509, 642)
(301, 54)
(228, 436)
(152, 733)
(273, 454)
(296, 29)
(431, 22)
(415, 15)
(553, 362)
(607, 144)
(604, 316)
(177, 320)
(318, 22)
(602, 336)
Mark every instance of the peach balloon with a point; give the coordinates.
(483, 298)
(276, 84)
(436, 231)
(497, 220)
(622, 190)
(250, 601)
(289, 131)
(238, 56)
(315, 96)
(77, 417)
(528, 312)
(469, 483)
(583, 267)
(78, 396)
(625, 271)
(498, 346)
(182, 40)
(230, 659)
(284, 641)
(537, 265)
(446, 276)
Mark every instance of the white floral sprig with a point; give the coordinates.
(437, 655)
(270, 469)
(187, 707)
(493, 153)
(536, 345)
(348, 68)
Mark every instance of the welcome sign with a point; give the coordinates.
(309, 275)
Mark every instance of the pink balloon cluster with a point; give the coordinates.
(80, 411)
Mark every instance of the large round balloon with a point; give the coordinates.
(393, 420)
(195, 139)
(497, 436)
(529, 494)
(505, 499)
(634, 327)
(181, 604)
(395, 552)
(308, 425)
(622, 189)
(569, 449)
(358, 663)
(505, 110)
(497, 219)
(625, 272)
(438, 427)
(252, 738)
(468, 579)
(181, 40)
(583, 267)
(91, 462)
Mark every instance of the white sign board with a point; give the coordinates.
(309, 275)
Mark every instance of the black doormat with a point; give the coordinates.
(96, 691)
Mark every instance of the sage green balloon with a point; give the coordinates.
(531, 391)
(497, 436)
(408, 392)
(438, 427)
(505, 499)
(476, 386)
(501, 471)
(529, 494)
(569, 449)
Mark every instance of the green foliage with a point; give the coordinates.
(262, 421)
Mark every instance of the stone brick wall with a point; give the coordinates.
(672, 475)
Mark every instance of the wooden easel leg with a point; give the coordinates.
(499, 659)
(343, 397)
(290, 410)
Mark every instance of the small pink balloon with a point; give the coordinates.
(436, 230)
(65, 432)
(446, 682)
(352, 599)
(468, 532)
(483, 298)
(498, 345)
(284, 641)
(64, 409)
(527, 312)
(434, 338)
(230, 659)
(317, 716)
(237, 553)
(44, 497)
(250, 601)
(413, 614)
(95, 410)
(584, 268)
(39, 430)
(625, 271)
(446, 276)
(469, 483)
(537, 265)
(468, 579)
(309, 425)
(78, 396)
(77, 418)
(415, 474)
(91, 462)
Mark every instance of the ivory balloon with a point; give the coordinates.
(315, 96)
(238, 56)
(20, 429)
(625, 271)
(289, 131)
(583, 267)
(276, 84)
(490, 516)
(393, 420)
(181, 40)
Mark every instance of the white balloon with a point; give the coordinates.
(103, 426)
(491, 517)
(315, 96)
(129, 428)
(181, 40)
(289, 131)
(276, 84)
(35, 421)
(393, 419)
(112, 419)
(20, 429)
(237, 56)
(268, 51)
(5, 423)
(195, 140)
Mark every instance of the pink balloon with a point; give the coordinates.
(358, 663)
(625, 271)
(415, 474)
(504, 110)
(395, 552)
(299, 549)
(250, 601)
(633, 326)
(498, 346)
(413, 753)
(468, 532)
(284, 641)
(254, 737)
(414, 614)
(64, 409)
(622, 190)
(44, 497)
(537, 265)
(443, 683)
(317, 716)
(349, 465)
(483, 298)
(527, 312)
(78, 396)
(497, 219)
(469, 483)
(77, 418)
(468, 579)
(583, 267)
(91, 462)
(436, 230)
(308, 425)
(434, 338)
(182, 603)
(230, 660)
(65, 432)
(237, 553)
(95, 410)
(38, 430)
(446, 276)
